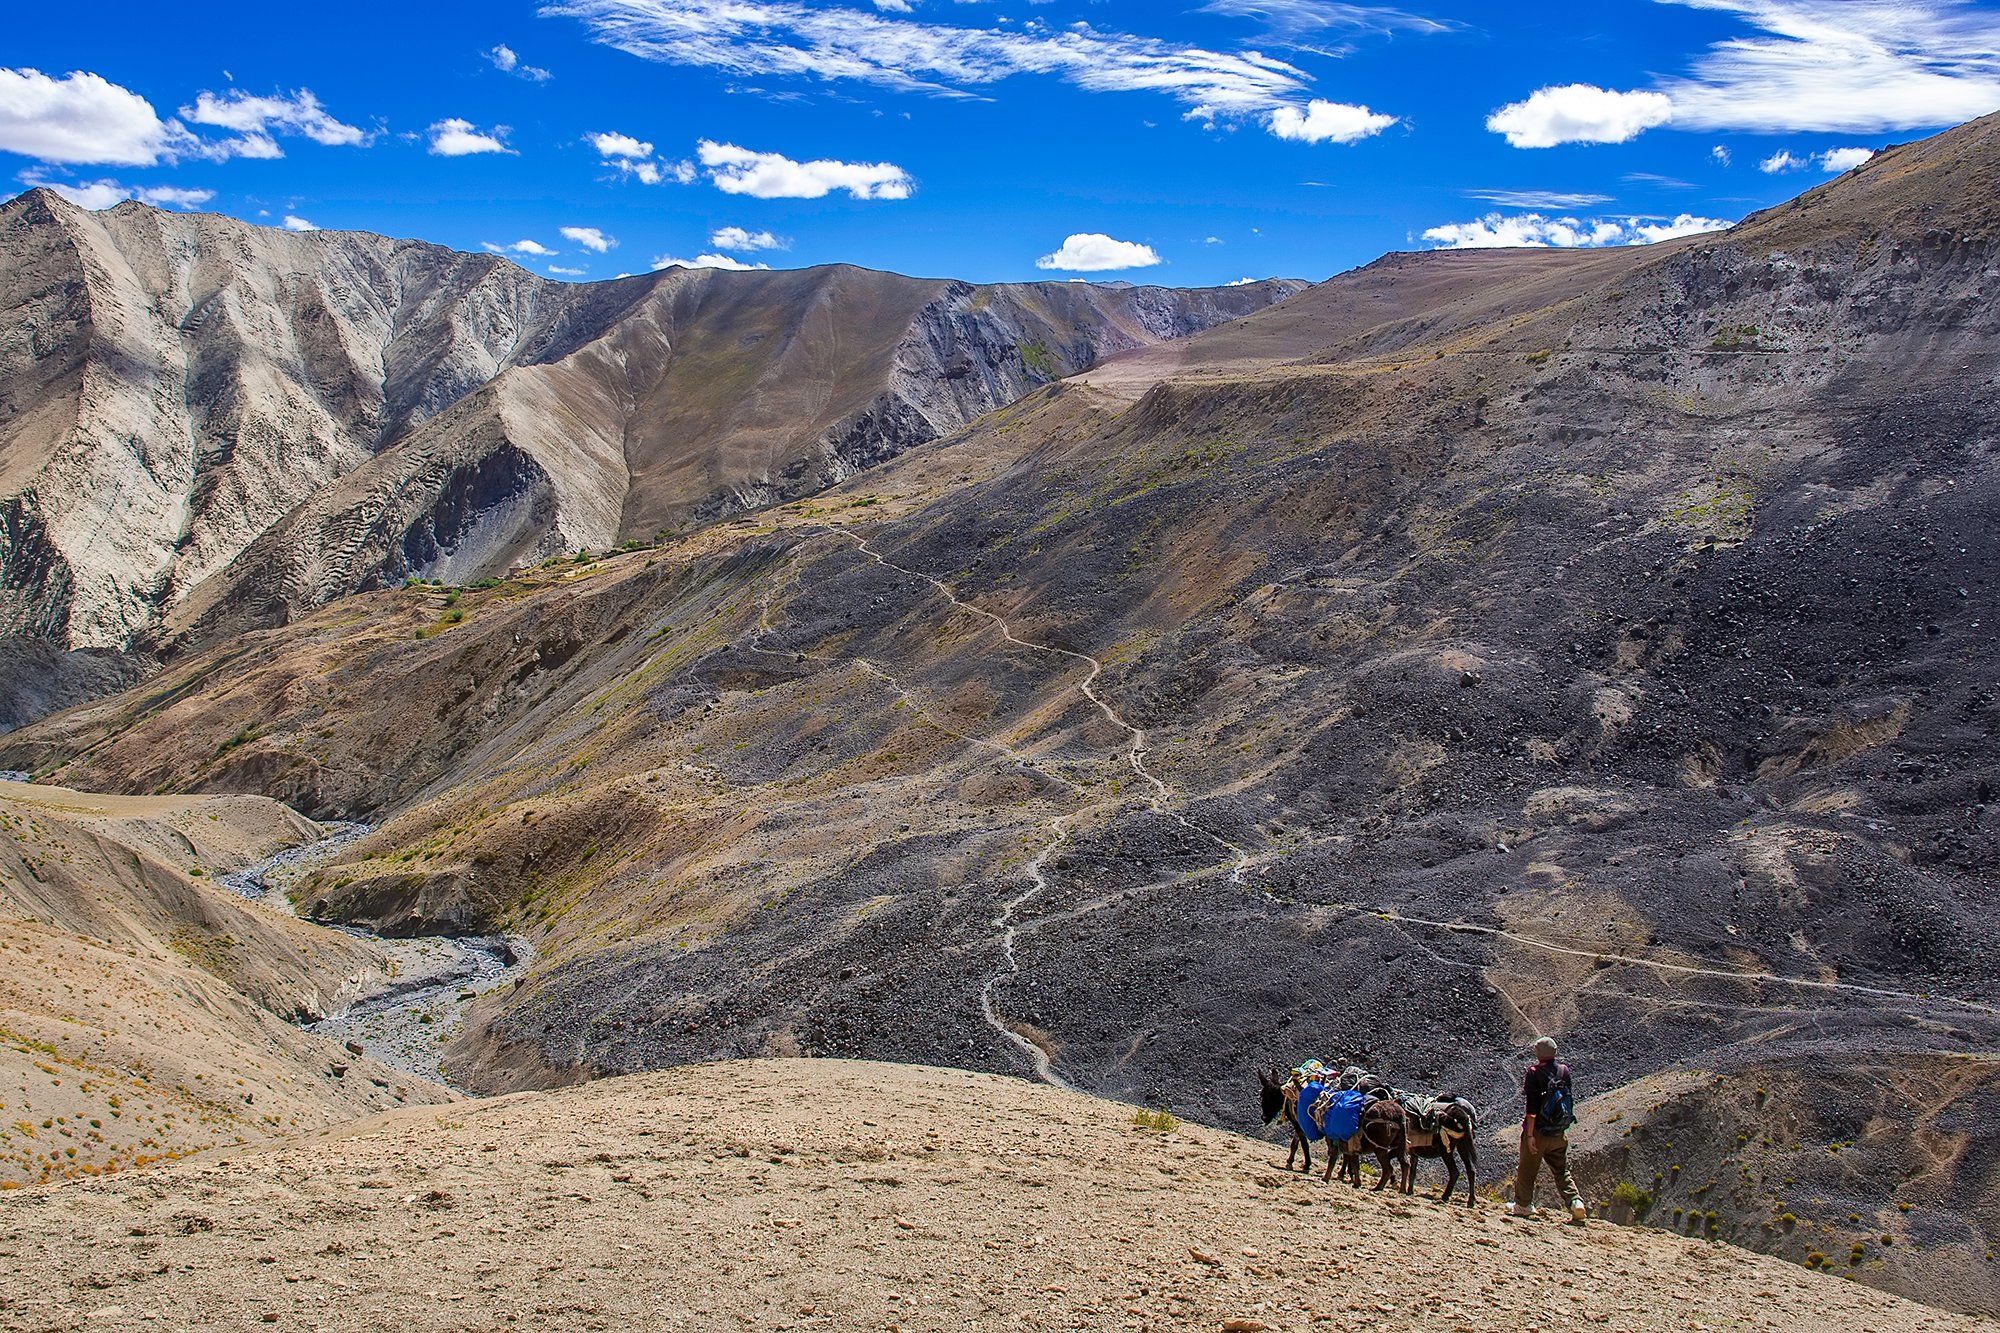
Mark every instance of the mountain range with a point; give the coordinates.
(1127, 688)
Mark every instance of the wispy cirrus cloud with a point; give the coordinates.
(784, 38)
(1306, 23)
(1540, 200)
(1843, 65)
(1805, 65)
(1542, 231)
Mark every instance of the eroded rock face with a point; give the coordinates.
(178, 391)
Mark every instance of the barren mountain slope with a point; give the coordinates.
(172, 387)
(1398, 300)
(145, 1012)
(816, 1194)
(721, 392)
(1612, 666)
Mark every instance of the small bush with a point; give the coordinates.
(1158, 1122)
(1625, 1192)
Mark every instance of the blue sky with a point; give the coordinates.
(1180, 141)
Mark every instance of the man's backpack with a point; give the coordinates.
(1558, 1109)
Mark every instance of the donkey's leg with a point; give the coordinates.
(1470, 1152)
(1451, 1174)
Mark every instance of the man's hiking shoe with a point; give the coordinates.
(1577, 1212)
(1520, 1210)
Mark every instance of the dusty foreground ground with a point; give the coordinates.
(820, 1194)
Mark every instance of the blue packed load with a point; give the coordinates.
(1331, 1115)
(1309, 1095)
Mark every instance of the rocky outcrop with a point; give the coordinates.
(178, 391)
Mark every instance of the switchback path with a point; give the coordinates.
(1063, 826)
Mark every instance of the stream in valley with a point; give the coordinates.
(406, 1022)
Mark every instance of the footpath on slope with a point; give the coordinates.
(828, 1194)
(1062, 827)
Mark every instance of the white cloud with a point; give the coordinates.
(1579, 113)
(105, 193)
(1558, 200)
(458, 138)
(520, 248)
(590, 238)
(1721, 154)
(560, 271)
(1094, 252)
(256, 120)
(789, 39)
(1242, 282)
(613, 144)
(893, 6)
(1836, 160)
(737, 238)
(1781, 161)
(773, 176)
(293, 222)
(1844, 65)
(707, 261)
(1328, 122)
(1684, 224)
(634, 157)
(1293, 20)
(1543, 231)
(81, 118)
(507, 61)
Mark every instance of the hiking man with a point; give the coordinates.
(1551, 1110)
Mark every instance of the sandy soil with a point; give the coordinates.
(820, 1194)
(143, 1006)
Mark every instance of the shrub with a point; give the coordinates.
(1160, 1122)
(1625, 1192)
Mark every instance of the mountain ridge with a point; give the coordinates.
(281, 362)
(1588, 644)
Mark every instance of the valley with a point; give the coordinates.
(1474, 645)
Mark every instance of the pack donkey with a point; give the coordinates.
(1446, 1128)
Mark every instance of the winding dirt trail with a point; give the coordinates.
(1160, 802)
